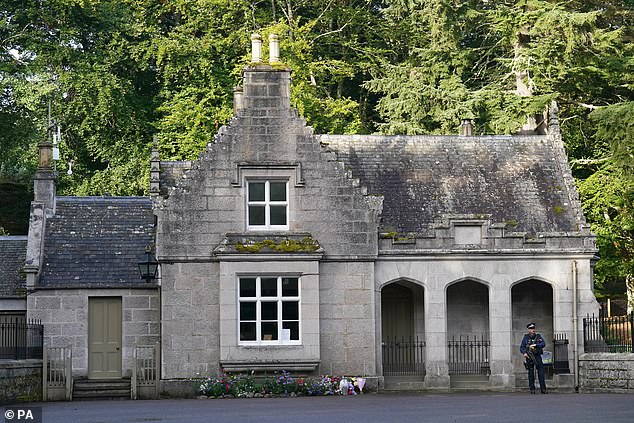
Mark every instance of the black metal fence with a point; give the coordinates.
(613, 334)
(469, 355)
(21, 339)
(560, 353)
(403, 357)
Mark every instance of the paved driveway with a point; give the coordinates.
(454, 407)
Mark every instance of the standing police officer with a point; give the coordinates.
(532, 347)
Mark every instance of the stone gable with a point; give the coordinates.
(265, 139)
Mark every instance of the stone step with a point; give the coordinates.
(475, 382)
(404, 383)
(404, 386)
(101, 389)
(102, 394)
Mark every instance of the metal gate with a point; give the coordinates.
(403, 357)
(469, 355)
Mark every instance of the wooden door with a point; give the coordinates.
(104, 338)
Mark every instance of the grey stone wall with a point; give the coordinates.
(347, 307)
(606, 372)
(64, 314)
(191, 319)
(20, 381)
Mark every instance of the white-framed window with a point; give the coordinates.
(267, 204)
(269, 310)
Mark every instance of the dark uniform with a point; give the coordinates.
(534, 342)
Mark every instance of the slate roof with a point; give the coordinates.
(518, 179)
(12, 256)
(97, 241)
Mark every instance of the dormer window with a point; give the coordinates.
(267, 205)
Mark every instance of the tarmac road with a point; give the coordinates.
(450, 407)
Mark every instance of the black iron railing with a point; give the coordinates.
(403, 357)
(21, 339)
(560, 353)
(613, 334)
(469, 355)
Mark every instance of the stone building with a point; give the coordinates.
(401, 258)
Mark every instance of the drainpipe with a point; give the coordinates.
(574, 324)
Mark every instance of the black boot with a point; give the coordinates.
(533, 391)
(544, 391)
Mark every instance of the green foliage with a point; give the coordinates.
(116, 72)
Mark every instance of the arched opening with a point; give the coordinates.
(403, 330)
(468, 339)
(532, 301)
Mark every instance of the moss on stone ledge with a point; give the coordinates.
(304, 245)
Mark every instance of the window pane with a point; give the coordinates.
(247, 287)
(269, 331)
(278, 215)
(290, 287)
(269, 287)
(294, 327)
(290, 310)
(278, 191)
(269, 310)
(247, 331)
(247, 311)
(256, 191)
(256, 215)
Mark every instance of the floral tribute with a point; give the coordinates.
(278, 384)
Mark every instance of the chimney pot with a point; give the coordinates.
(238, 100)
(274, 48)
(466, 128)
(256, 48)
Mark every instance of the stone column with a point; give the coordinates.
(436, 367)
(502, 371)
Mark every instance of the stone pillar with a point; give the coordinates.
(500, 359)
(436, 367)
(256, 48)
(274, 48)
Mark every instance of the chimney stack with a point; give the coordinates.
(466, 128)
(44, 180)
(274, 48)
(256, 48)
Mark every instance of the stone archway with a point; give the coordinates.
(403, 330)
(532, 301)
(468, 338)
